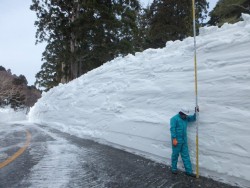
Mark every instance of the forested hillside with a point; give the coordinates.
(15, 92)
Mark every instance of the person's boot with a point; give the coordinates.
(191, 174)
(174, 172)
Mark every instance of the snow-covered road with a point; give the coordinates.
(57, 159)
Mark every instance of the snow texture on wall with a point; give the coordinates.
(128, 102)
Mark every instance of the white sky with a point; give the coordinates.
(18, 51)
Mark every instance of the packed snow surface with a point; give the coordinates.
(128, 101)
(7, 114)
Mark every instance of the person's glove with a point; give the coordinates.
(197, 109)
(175, 142)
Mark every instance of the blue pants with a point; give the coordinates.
(181, 148)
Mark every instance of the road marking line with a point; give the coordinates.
(18, 153)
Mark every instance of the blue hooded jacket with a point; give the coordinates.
(178, 127)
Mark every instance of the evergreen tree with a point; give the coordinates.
(228, 11)
(108, 31)
(51, 72)
(82, 35)
(172, 20)
(143, 24)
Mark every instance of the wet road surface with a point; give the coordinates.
(56, 159)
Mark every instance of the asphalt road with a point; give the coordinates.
(39, 156)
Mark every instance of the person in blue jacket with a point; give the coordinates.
(178, 129)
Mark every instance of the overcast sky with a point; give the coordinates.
(18, 51)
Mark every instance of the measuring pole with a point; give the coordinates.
(196, 93)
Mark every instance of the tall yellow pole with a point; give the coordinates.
(196, 93)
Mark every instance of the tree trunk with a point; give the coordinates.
(73, 62)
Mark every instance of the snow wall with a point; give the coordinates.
(8, 115)
(128, 102)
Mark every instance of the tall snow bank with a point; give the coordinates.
(7, 115)
(128, 101)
